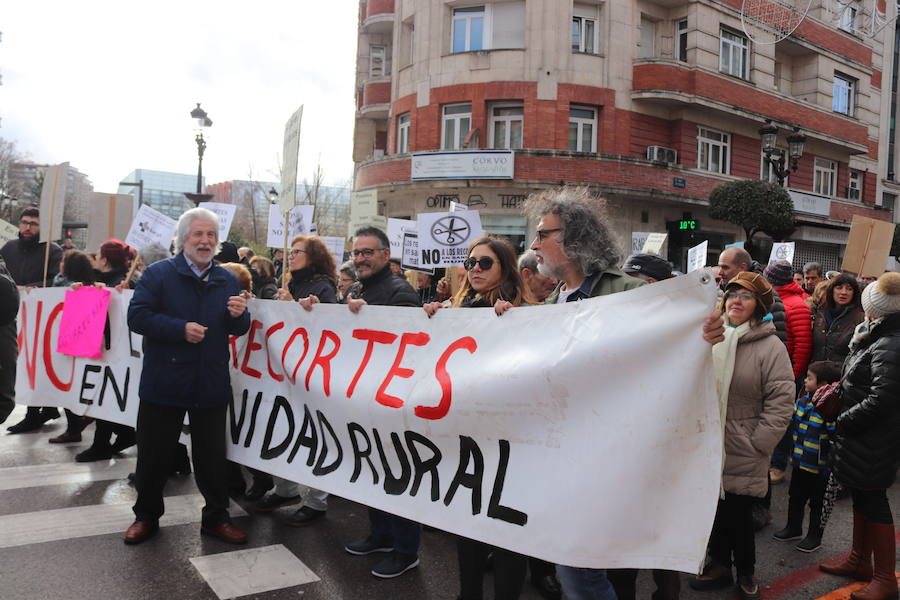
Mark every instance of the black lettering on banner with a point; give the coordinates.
(495, 509)
(256, 402)
(468, 450)
(121, 397)
(267, 452)
(358, 455)
(421, 467)
(236, 427)
(85, 385)
(394, 486)
(319, 468)
(307, 437)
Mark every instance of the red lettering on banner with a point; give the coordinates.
(372, 336)
(407, 339)
(48, 353)
(30, 362)
(324, 360)
(440, 372)
(251, 347)
(269, 332)
(301, 332)
(232, 339)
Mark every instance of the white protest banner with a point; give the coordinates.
(444, 237)
(225, 212)
(8, 231)
(109, 216)
(290, 154)
(299, 223)
(696, 258)
(409, 253)
(654, 243)
(151, 226)
(335, 245)
(637, 240)
(476, 425)
(782, 251)
(395, 230)
(53, 201)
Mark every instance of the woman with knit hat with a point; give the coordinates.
(755, 383)
(867, 440)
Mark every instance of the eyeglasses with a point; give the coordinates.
(367, 252)
(34, 224)
(543, 233)
(744, 296)
(296, 251)
(485, 262)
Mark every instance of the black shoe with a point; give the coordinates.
(548, 586)
(747, 588)
(395, 564)
(714, 577)
(788, 534)
(257, 491)
(368, 546)
(93, 454)
(811, 543)
(25, 425)
(304, 516)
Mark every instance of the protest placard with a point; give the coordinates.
(109, 216)
(654, 243)
(290, 155)
(395, 230)
(782, 251)
(151, 226)
(409, 254)
(299, 223)
(868, 246)
(335, 245)
(8, 231)
(444, 237)
(225, 212)
(637, 240)
(53, 201)
(83, 320)
(696, 258)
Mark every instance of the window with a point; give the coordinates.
(585, 30)
(824, 176)
(648, 36)
(888, 201)
(376, 61)
(854, 189)
(582, 129)
(847, 20)
(468, 29)
(734, 54)
(455, 124)
(844, 90)
(681, 34)
(403, 133)
(712, 150)
(765, 171)
(506, 126)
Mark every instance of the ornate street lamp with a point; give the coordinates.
(775, 157)
(202, 121)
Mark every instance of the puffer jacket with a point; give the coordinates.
(760, 405)
(833, 343)
(779, 317)
(867, 439)
(799, 326)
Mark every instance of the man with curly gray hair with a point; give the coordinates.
(574, 244)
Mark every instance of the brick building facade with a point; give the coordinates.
(652, 104)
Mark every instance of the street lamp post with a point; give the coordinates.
(203, 121)
(775, 156)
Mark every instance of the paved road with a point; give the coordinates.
(61, 525)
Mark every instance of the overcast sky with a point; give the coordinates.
(109, 88)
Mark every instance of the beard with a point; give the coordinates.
(548, 270)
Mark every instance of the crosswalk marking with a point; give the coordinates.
(100, 519)
(14, 478)
(252, 571)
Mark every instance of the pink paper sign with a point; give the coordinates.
(83, 320)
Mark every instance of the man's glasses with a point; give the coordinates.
(744, 296)
(295, 252)
(34, 224)
(367, 252)
(485, 262)
(543, 233)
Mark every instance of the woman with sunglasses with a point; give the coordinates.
(755, 383)
(492, 280)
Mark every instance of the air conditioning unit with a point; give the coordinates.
(661, 154)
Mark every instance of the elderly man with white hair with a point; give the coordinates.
(185, 307)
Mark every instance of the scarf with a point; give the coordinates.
(723, 363)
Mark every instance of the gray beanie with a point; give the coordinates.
(882, 298)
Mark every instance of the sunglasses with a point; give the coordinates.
(485, 262)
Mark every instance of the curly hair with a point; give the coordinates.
(842, 279)
(587, 239)
(320, 261)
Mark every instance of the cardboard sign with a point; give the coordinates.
(654, 243)
(409, 253)
(696, 258)
(8, 231)
(868, 246)
(290, 154)
(53, 201)
(444, 237)
(151, 226)
(299, 223)
(82, 323)
(109, 216)
(782, 251)
(225, 212)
